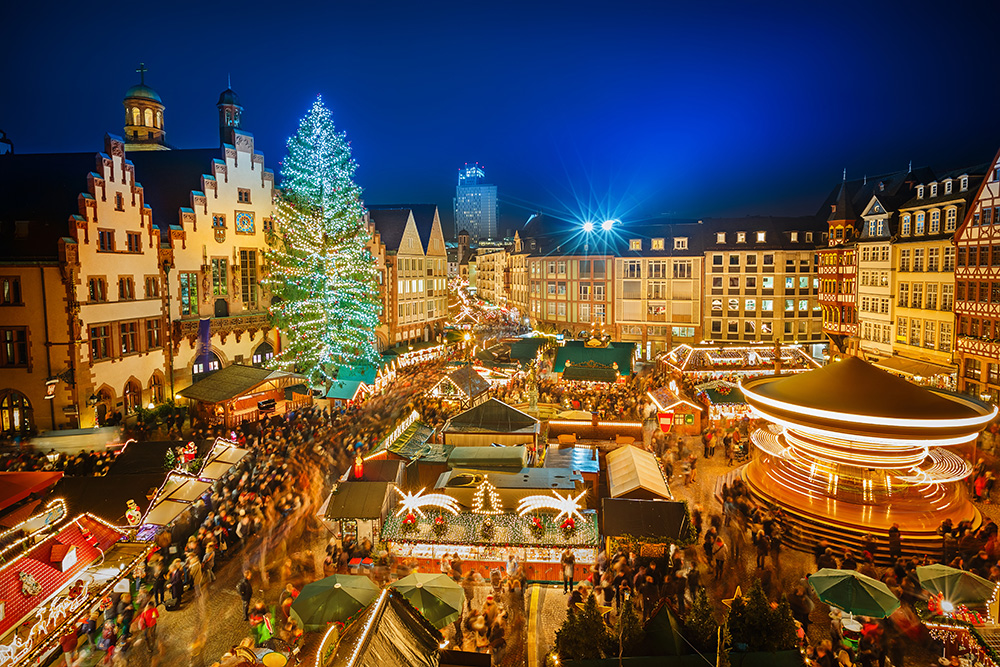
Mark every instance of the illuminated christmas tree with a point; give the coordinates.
(486, 500)
(321, 271)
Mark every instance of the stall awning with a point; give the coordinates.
(176, 495)
(467, 381)
(221, 459)
(16, 486)
(615, 358)
(913, 368)
(345, 390)
(589, 372)
(236, 380)
(635, 473)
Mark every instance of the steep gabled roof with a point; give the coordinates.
(394, 217)
(493, 416)
(42, 190)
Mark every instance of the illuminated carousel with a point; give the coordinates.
(852, 449)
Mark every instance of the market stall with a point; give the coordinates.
(357, 509)
(674, 412)
(463, 385)
(647, 527)
(714, 361)
(724, 400)
(594, 361)
(491, 422)
(636, 474)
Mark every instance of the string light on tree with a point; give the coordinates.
(486, 499)
(321, 272)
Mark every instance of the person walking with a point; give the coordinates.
(159, 584)
(568, 562)
(148, 619)
(719, 551)
(245, 589)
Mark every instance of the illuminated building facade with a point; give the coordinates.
(837, 273)
(853, 449)
(977, 298)
(475, 204)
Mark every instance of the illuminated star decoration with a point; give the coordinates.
(730, 601)
(412, 503)
(568, 506)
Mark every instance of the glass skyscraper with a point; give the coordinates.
(475, 204)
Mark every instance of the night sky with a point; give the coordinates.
(580, 108)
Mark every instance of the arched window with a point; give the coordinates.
(15, 413)
(159, 119)
(147, 117)
(135, 115)
(133, 396)
(263, 354)
(156, 389)
(199, 371)
(229, 117)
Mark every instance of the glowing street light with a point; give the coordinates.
(588, 226)
(608, 224)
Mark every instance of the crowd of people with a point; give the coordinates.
(87, 464)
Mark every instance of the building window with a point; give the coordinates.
(680, 243)
(964, 183)
(119, 202)
(632, 269)
(100, 342)
(105, 240)
(15, 412)
(931, 296)
(918, 259)
(904, 260)
(920, 192)
(734, 260)
(947, 187)
(10, 291)
(243, 195)
(268, 225)
(153, 340)
(156, 389)
(635, 244)
(14, 352)
(561, 288)
(263, 354)
(126, 288)
(949, 259)
(918, 296)
(741, 237)
(987, 215)
(682, 269)
(189, 293)
(761, 236)
(584, 266)
(97, 290)
(220, 271)
(562, 268)
(935, 222)
(904, 295)
(248, 276)
(947, 297)
(720, 237)
(918, 227)
(905, 227)
(218, 221)
(152, 284)
(129, 337)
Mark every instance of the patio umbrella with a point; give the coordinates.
(957, 586)
(853, 592)
(336, 598)
(436, 596)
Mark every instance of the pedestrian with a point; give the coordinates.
(148, 620)
(68, 644)
(568, 562)
(719, 552)
(895, 546)
(176, 583)
(159, 584)
(763, 544)
(245, 589)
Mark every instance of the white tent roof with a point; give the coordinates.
(632, 469)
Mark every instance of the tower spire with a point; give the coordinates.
(229, 81)
(142, 73)
(845, 174)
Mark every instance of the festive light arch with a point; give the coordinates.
(567, 506)
(414, 503)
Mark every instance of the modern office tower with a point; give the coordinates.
(475, 204)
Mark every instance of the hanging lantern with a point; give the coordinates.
(359, 468)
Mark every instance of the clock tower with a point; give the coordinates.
(230, 116)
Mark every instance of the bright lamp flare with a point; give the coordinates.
(414, 503)
(567, 506)
(588, 226)
(608, 224)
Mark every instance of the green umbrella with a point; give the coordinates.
(436, 596)
(854, 592)
(336, 598)
(957, 586)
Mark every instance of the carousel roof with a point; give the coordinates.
(855, 387)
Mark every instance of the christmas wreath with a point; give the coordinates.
(410, 522)
(440, 526)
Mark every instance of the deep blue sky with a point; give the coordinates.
(692, 109)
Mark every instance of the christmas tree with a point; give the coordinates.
(486, 500)
(321, 271)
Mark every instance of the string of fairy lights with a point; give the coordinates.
(322, 271)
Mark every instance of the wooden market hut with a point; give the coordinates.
(464, 385)
(580, 361)
(231, 395)
(635, 473)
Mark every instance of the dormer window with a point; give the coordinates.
(656, 244)
(720, 237)
(964, 184)
(905, 227)
(881, 186)
(933, 189)
(918, 227)
(761, 236)
(947, 187)
(680, 243)
(809, 237)
(920, 192)
(741, 237)
(635, 244)
(794, 237)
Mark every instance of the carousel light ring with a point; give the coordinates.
(414, 503)
(567, 506)
(945, 467)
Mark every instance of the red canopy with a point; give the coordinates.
(16, 486)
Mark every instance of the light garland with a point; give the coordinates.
(413, 503)
(321, 268)
(56, 505)
(486, 500)
(368, 626)
(566, 506)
